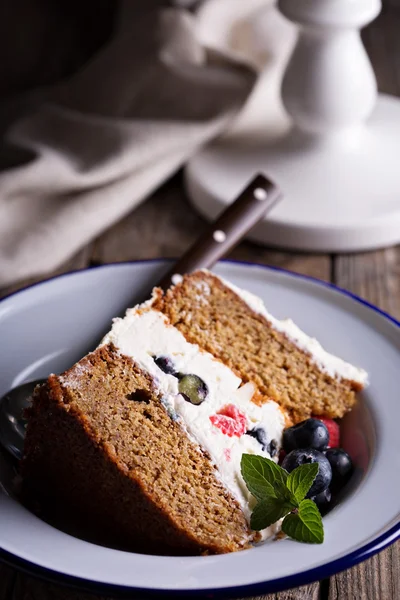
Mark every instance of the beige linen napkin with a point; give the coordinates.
(84, 153)
(78, 156)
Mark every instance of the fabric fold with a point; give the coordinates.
(81, 154)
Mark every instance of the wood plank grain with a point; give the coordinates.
(17, 586)
(374, 276)
(391, 4)
(7, 582)
(380, 46)
(306, 592)
(28, 588)
(392, 28)
(374, 579)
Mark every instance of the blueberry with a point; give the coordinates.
(259, 434)
(342, 467)
(193, 389)
(165, 364)
(303, 456)
(273, 448)
(322, 500)
(311, 433)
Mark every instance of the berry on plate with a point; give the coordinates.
(342, 467)
(303, 456)
(334, 431)
(311, 433)
(322, 500)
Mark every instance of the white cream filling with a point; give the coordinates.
(143, 335)
(330, 364)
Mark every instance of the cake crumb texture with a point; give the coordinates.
(224, 325)
(101, 445)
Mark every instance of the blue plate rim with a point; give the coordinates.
(271, 586)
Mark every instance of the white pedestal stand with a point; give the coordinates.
(338, 158)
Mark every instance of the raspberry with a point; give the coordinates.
(334, 431)
(230, 421)
(282, 455)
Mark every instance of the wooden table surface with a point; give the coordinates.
(165, 225)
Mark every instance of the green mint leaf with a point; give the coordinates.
(259, 474)
(305, 525)
(301, 479)
(267, 512)
(284, 494)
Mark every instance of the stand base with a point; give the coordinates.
(341, 194)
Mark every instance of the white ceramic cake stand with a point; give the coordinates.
(337, 154)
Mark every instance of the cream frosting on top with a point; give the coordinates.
(330, 364)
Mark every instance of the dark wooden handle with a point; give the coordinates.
(253, 203)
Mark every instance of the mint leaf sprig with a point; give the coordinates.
(281, 495)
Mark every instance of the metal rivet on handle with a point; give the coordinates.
(219, 236)
(176, 278)
(260, 194)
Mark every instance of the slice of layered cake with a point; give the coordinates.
(284, 363)
(142, 439)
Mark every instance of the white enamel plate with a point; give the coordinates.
(49, 326)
